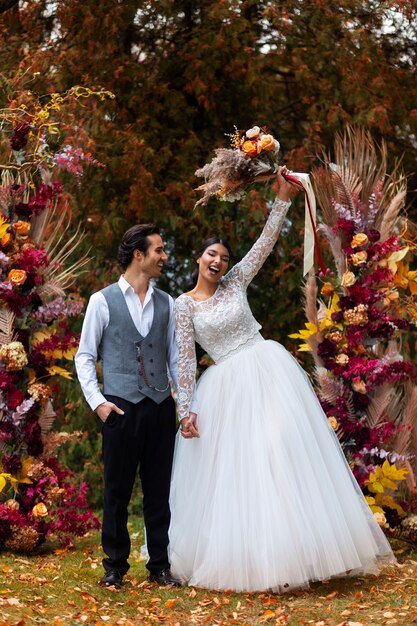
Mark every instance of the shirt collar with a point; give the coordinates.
(127, 288)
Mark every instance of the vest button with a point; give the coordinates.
(151, 360)
(151, 373)
(150, 345)
(140, 386)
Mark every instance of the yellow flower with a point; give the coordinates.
(348, 279)
(3, 480)
(405, 278)
(359, 240)
(5, 240)
(41, 117)
(358, 258)
(394, 258)
(39, 511)
(305, 334)
(60, 371)
(17, 277)
(382, 478)
(3, 226)
(325, 314)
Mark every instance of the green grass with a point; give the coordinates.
(58, 587)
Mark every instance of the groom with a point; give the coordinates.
(129, 325)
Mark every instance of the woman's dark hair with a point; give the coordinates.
(207, 243)
(136, 238)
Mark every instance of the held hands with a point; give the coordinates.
(188, 426)
(105, 408)
(286, 189)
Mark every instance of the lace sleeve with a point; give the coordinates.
(187, 361)
(252, 262)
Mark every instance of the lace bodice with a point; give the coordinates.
(223, 322)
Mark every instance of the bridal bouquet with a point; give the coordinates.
(253, 157)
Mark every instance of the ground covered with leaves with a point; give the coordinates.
(59, 587)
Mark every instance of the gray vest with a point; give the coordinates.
(135, 366)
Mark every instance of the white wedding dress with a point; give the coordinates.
(264, 499)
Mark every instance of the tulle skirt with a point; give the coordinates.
(264, 499)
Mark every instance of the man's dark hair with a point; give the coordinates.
(136, 238)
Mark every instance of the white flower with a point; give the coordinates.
(253, 132)
(380, 518)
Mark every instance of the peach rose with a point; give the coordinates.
(250, 148)
(359, 386)
(327, 289)
(266, 142)
(359, 240)
(333, 422)
(17, 277)
(39, 511)
(359, 257)
(22, 228)
(380, 518)
(12, 504)
(348, 279)
(342, 359)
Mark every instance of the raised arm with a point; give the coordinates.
(187, 361)
(252, 262)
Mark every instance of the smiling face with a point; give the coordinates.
(213, 263)
(153, 261)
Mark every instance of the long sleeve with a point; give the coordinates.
(95, 321)
(187, 361)
(252, 262)
(172, 349)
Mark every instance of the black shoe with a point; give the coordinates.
(112, 578)
(164, 577)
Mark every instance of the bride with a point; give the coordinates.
(262, 497)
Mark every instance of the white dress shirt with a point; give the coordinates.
(96, 320)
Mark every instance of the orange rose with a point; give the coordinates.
(17, 277)
(327, 289)
(348, 279)
(266, 142)
(250, 148)
(22, 228)
(39, 511)
(5, 240)
(359, 240)
(359, 257)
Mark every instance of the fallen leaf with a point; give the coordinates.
(267, 615)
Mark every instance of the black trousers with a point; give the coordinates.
(143, 437)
